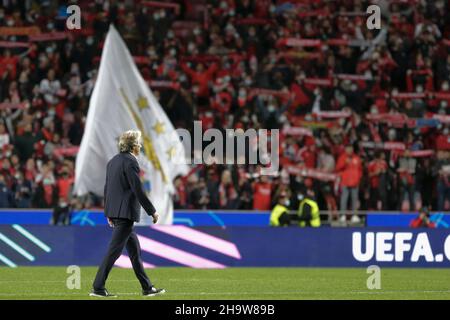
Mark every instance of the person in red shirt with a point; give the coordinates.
(377, 175)
(8, 63)
(64, 184)
(423, 220)
(349, 169)
(201, 77)
(262, 191)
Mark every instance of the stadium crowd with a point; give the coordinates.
(363, 114)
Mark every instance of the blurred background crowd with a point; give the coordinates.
(363, 114)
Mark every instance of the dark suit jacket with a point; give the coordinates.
(124, 194)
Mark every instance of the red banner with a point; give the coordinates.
(12, 44)
(137, 59)
(51, 36)
(163, 84)
(442, 95)
(332, 114)
(66, 151)
(313, 13)
(387, 117)
(9, 105)
(275, 93)
(442, 118)
(297, 42)
(299, 55)
(19, 31)
(312, 173)
(255, 21)
(201, 58)
(383, 145)
(351, 13)
(318, 81)
(338, 42)
(414, 95)
(301, 42)
(410, 95)
(165, 5)
(416, 153)
(297, 131)
(353, 77)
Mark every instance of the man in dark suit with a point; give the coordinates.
(123, 197)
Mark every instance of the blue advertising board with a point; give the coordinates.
(185, 217)
(221, 247)
(401, 219)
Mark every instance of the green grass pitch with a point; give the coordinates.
(233, 283)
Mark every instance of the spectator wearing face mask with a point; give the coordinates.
(22, 189)
(6, 195)
(46, 195)
(407, 174)
(349, 169)
(61, 213)
(280, 213)
(441, 172)
(4, 136)
(50, 87)
(308, 209)
(377, 169)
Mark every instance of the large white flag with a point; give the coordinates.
(122, 101)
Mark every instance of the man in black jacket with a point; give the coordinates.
(124, 195)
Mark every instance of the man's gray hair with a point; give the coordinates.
(128, 140)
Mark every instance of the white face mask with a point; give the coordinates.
(391, 135)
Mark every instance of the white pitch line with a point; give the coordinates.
(230, 293)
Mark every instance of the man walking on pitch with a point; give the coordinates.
(123, 196)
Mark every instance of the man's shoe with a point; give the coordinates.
(355, 219)
(102, 294)
(153, 292)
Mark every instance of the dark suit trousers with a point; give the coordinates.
(122, 236)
